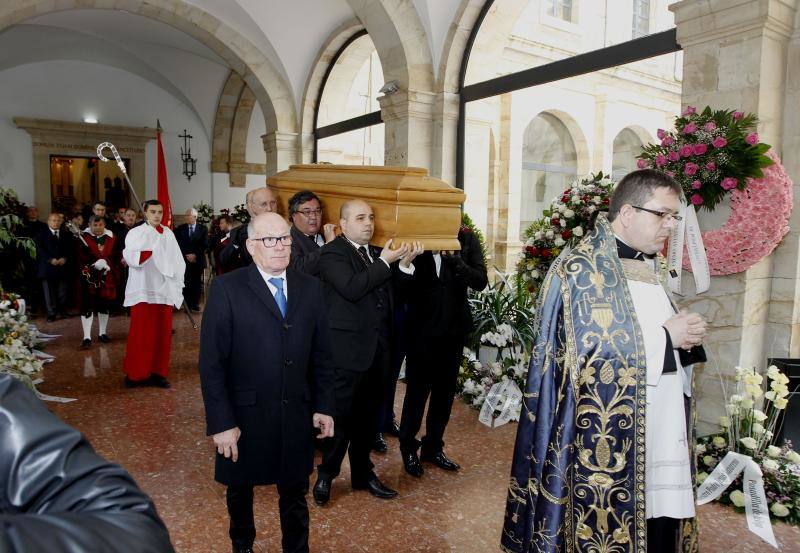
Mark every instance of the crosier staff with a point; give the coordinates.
(121, 165)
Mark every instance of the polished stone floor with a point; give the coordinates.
(159, 437)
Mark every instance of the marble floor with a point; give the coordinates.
(159, 437)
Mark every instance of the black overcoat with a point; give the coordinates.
(265, 374)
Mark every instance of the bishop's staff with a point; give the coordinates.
(121, 165)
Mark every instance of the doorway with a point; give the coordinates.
(78, 182)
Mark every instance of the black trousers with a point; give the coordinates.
(55, 295)
(294, 516)
(431, 370)
(359, 397)
(386, 416)
(192, 284)
(662, 535)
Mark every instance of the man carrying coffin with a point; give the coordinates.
(267, 381)
(358, 294)
(155, 286)
(308, 232)
(604, 446)
(98, 266)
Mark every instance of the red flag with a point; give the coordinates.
(163, 185)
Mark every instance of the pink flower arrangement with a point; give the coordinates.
(719, 142)
(709, 153)
(642, 164)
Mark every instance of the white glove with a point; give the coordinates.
(101, 265)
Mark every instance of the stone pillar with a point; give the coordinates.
(445, 125)
(408, 119)
(735, 54)
(282, 149)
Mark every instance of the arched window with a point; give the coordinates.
(348, 127)
(627, 146)
(549, 163)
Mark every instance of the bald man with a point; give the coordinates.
(257, 201)
(193, 240)
(358, 295)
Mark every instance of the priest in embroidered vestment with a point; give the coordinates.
(603, 457)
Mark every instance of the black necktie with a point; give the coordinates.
(362, 250)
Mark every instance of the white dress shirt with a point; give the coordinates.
(266, 276)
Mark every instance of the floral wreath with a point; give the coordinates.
(567, 220)
(759, 220)
(714, 153)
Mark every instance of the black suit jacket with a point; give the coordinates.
(49, 247)
(197, 243)
(265, 374)
(235, 254)
(353, 303)
(437, 305)
(305, 253)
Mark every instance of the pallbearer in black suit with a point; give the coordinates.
(267, 381)
(358, 294)
(438, 321)
(193, 240)
(308, 232)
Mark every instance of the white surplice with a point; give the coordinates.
(159, 279)
(668, 479)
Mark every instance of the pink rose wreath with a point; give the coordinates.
(759, 220)
(715, 153)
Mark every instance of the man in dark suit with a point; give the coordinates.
(257, 201)
(438, 322)
(193, 241)
(54, 248)
(305, 211)
(218, 242)
(267, 381)
(358, 294)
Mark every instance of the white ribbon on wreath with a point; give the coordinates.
(755, 501)
(504, 397)
(687, 231)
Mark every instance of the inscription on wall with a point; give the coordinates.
(68, 146)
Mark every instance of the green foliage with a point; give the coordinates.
(504, 301)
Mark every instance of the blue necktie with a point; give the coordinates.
(280, 298)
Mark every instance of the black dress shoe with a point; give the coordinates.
(134, 383)
(376, 488)
(158, 381)
(441, 460)
(51, 318)
(242, 549)
(393, 430)
(104, 338)
(412, 464)
(380, 445)
(86, 343)
(322, 490)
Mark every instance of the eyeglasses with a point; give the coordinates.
(272, 241)
(310, 212)
(665, 216)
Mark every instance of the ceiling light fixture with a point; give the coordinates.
(90, 119)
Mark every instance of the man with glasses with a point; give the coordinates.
(267, 381)
(305, 211)
(257, 201)
(605, 435)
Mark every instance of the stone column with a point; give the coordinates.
(445, 125)
(408, 119)
(282, 149)
(735, 54)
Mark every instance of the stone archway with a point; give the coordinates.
(405, 55)
(268, 84)
(311, 94)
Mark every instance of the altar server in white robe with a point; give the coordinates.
(155, 286)
(643, 212)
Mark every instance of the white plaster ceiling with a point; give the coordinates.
(289, 33)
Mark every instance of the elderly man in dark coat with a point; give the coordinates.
(267, 381)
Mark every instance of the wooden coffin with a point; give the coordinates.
(408, 204)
